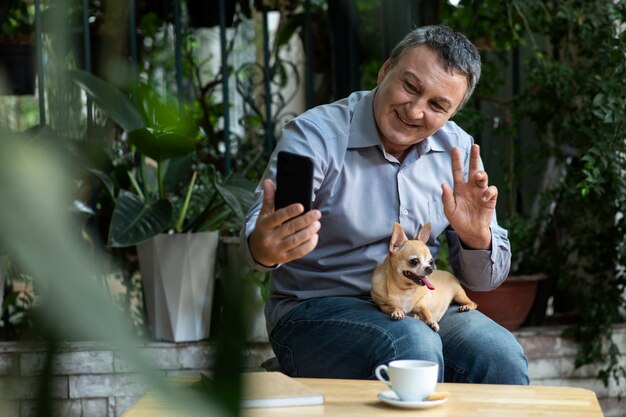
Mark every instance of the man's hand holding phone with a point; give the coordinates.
(284, 234)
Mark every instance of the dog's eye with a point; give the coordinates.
(414, 262)
(432, 263)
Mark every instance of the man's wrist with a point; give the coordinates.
(256, 260)
(482, 243)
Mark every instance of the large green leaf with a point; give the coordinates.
(105, 179)
(133, 221)
(238, 193)
(177, 173)
(161, 145)
(110, 100)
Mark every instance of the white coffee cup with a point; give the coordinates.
(411, 380)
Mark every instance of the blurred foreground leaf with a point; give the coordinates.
(37, 228)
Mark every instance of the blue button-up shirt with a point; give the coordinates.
(361, 190)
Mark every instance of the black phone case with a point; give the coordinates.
(294, 180)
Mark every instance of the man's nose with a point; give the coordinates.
(415, 109)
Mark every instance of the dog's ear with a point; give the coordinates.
(424, 233)
(397, 238)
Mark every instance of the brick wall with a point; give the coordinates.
(93, 381)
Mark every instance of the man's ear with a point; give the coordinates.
(398, 238)
(383, 71)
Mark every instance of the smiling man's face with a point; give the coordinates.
(415, 98)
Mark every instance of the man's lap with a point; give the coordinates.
(347, 337)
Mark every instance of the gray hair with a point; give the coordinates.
(455, 52)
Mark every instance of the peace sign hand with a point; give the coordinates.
(470, 207)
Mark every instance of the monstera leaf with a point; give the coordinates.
(134, 221)
(238, 193)
(111, 100)
(161, 145)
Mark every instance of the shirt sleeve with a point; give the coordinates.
(481, 270)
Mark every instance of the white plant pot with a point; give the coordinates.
(178, 277)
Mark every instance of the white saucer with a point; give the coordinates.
(391, 398)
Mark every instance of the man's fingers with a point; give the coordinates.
(294, 240)
(300, 223)
(491, 195)
(269, 191)
(481, 179)
(303, 249)
(297, 245)
(447, 199)
(474, 164)
(457, 166)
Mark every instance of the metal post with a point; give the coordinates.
(225, 92)
(40, 75)
(178, 57)
(132, 16)
(308, 47)
(87, 57)
(267, 78)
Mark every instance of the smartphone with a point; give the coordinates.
(294, 180)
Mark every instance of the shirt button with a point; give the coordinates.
(405, 212)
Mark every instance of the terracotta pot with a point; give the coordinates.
(509, 304)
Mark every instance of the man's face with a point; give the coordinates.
(415, 98)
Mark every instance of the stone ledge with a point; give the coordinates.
(93, 379)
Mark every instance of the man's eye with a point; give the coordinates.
(410, 87)
(414, 262)
(438, 108)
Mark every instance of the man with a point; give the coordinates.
(384, 156)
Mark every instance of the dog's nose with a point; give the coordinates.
(428, 270)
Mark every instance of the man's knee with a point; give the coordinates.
(508, 364)
(409, 339)
(480, 351)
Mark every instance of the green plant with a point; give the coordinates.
(163, 188)
(16, 21)
(15, 308)
(576, 100)
(572, 101)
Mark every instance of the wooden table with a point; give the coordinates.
(359, 399)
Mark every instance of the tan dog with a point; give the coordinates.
(407, 282)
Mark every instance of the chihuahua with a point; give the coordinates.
(406, 283)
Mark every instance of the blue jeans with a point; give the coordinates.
(348, 337)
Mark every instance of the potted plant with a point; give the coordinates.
(510, 303)
(175, 227)
(17, 54)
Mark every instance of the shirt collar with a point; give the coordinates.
(363, 129)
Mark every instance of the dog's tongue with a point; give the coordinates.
(427, 283)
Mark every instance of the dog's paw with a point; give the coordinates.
(398, 314)
(433, 325)
(468, 307)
